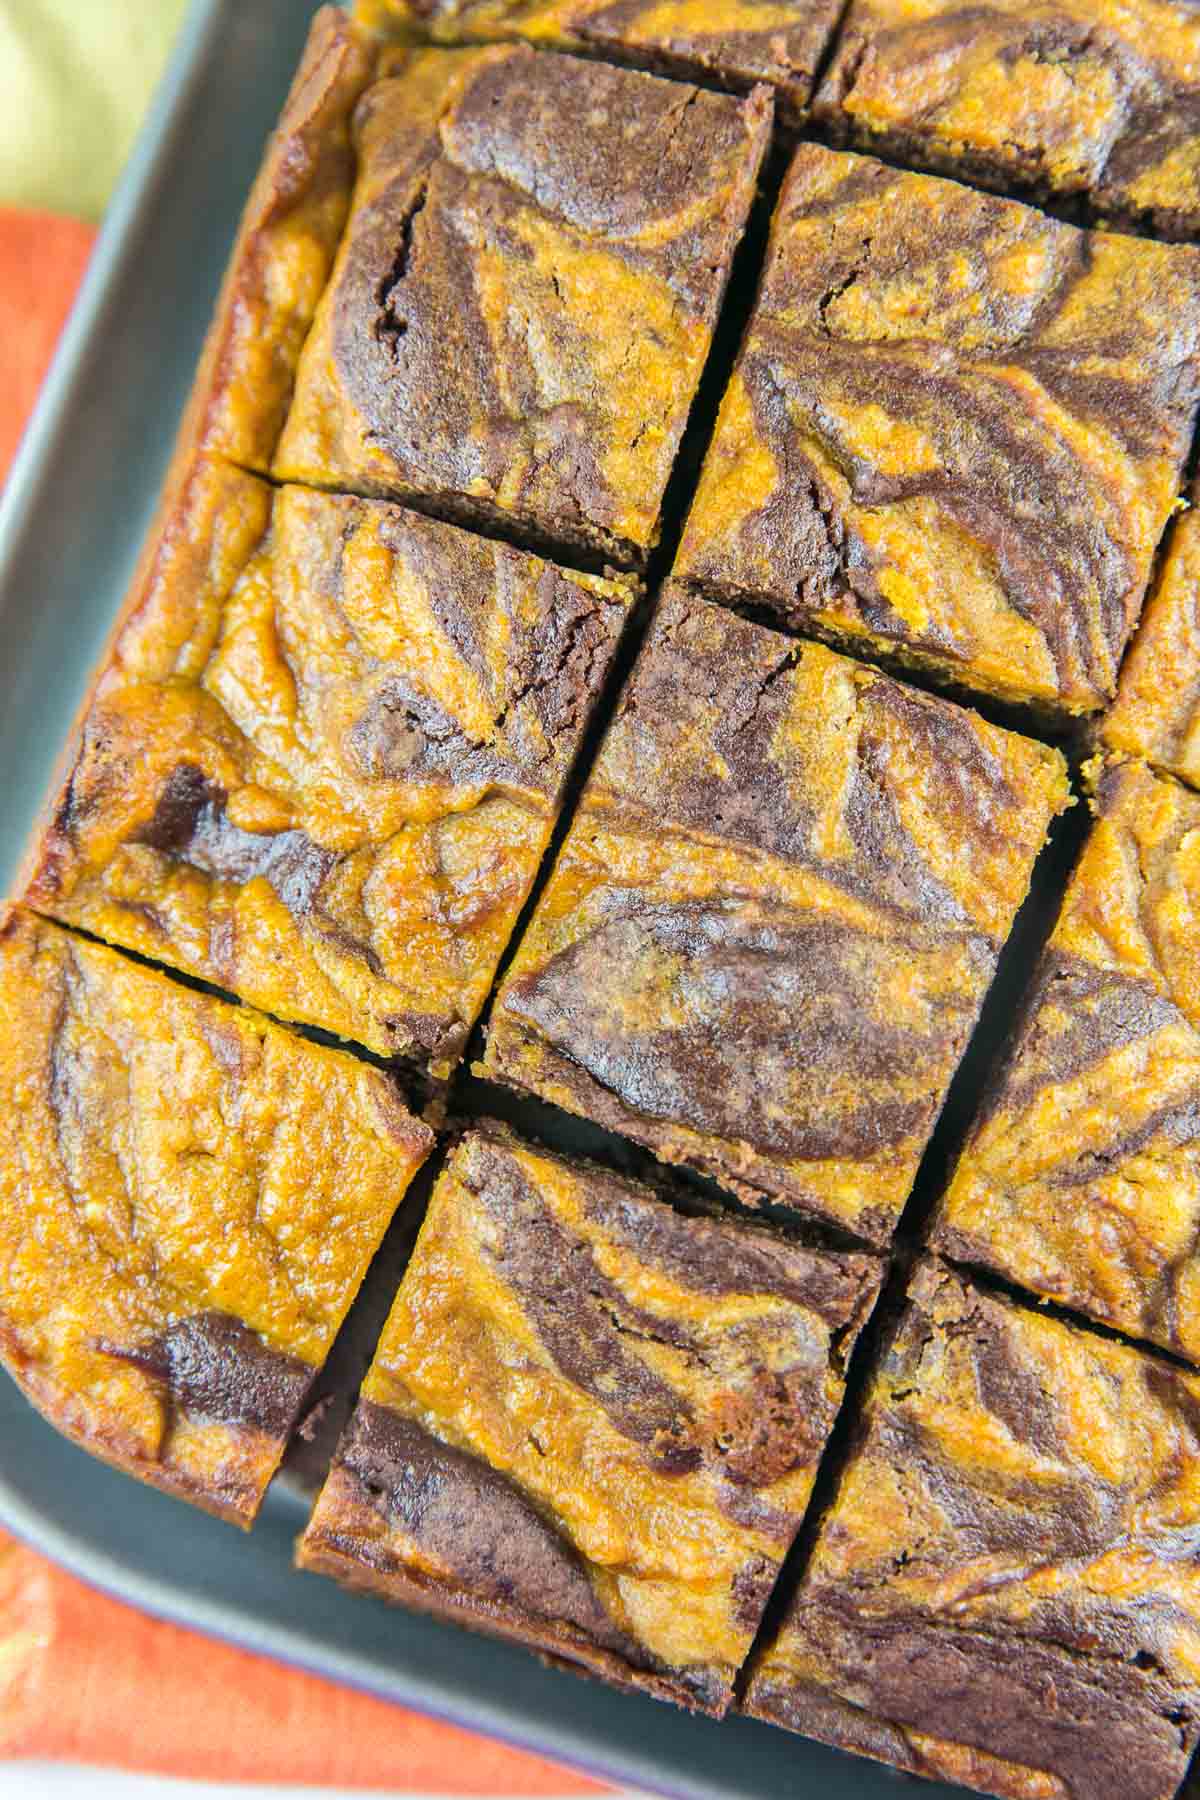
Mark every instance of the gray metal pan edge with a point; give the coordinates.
(71, 521)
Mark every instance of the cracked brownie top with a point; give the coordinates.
(191, 1198)
(525, 295)
(954, 432)
(774, 917)
(324, 759)
(1081, 1179)
(592, 1423)
(733, 42)
(1100, 97)
(1004, 1591)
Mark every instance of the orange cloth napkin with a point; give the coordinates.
(83, 1678)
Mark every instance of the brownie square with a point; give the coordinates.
(593, 1423)
(774, 917)
(1084, 97)
(1081, 1178)
(326, 755)
(954, 432)
(1003, 1592)
(1156, 713)
(526, 292)
(323, 761)
(191, 1199)
(734, 43)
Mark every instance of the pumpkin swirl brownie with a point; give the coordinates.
(284, 252)
(1081, 1179)
(773, 920)
(526, 292)
(190, 1199)
(1156, 713)
(592, 1424)
(1071, 97)
(734, 43)
(954, 433)
(1004, 1591)
(324, 759)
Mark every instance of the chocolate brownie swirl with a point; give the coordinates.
(526, 292)
(191, 1200)
(1004, 1591)
(592, 1423)
(325, 756)
(955, 430)
(1079, 96)
(734, 43)
(775, 915)
(1081, 1179)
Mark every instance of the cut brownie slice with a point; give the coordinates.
(1157, 710)
(593, 1423)
(285, 248)
(1081, 1179)
(191, 1197)
(732, 42)
(1004, 1592)
(775, 915)
(954, 432)
(325, 757)
(1073, 97)
(526, 292)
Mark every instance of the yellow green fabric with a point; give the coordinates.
(75, 80)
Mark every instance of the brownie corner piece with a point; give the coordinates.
(1080, 1179)
(323, 760)
(734, 45)
(944, 438)
(774, 916)
(593, 1422)
(285, 248)
(526, 292)
(1000, 1593)
(179, 1241)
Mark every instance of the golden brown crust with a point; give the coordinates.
(324, 757)
(284, 250)
(773, 920)
(1081, 1179)
(1004, 1590)
(592, 1424)
(189, 1199)
(954, 433)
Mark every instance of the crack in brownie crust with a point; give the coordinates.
(325, 757)
(526, 292)
(954, 432)
(1075, 96)
(592, 1423)
(1081, 1179)
(1156, 714)
(774, 917)
(733, 42)
(190, 1200)
(1004, 1591)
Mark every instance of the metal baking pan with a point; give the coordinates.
(71, 522)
